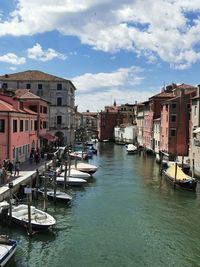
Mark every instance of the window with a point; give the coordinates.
(5, 85)
(21, 125)
(44, 124)
(59, 101)
(173, 118)
(45, 110)
(59, 86)
(31, 125)
(172, 132)
(14, 126)
(39, 86)
(2, 126)
(59, 120)
(26, 125)
(21, 105)
(195, 110)
(33, 108)
(41, 109)
(28, 86)
(35, 125)
(173, 105)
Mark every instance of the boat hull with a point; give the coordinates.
(60, 196)
(189, 185)
(10, 251)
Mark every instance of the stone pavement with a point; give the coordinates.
(27, 170)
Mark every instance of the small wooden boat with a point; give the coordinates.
(176, 176)
(131, 149)
(85, 167)
(76, 174)
(7, 249)
(71, 181)
(39, 218)
(60, 196)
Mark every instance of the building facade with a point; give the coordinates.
(59, 92)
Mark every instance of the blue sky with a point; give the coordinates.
(111, 50)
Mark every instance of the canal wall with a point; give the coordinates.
(27, 177)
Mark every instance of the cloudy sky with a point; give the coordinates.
(111, 50)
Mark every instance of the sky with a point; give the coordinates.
(123, 50)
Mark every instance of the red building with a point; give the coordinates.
(152, 111)
(107, 120)
(175, 117)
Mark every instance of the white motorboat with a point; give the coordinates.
(71, 181)
(7, 249)
(78, 155)
(60, 196)
(76, 174)
(39, 218)
(131, 149)
(85, 167)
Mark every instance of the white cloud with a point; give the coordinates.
(12, 59)
(158, 29)
(105, 87)
(37, 53)
(123, 77)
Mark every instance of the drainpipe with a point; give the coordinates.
(9, 137)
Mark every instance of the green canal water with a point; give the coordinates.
(126, 216)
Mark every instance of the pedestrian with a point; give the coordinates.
(10, 167)
(17, 164)
(31, 158)
(37, 157)
(3, 176)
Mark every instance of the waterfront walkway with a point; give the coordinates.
(27, 170)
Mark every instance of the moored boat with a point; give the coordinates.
(39, 218)
(131, 149)
(76, 174)
(7, 249)
(60, 196)
(177, 177)
(85, 167)
(71, 181)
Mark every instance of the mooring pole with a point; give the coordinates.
(65, 176)
(175, 176)
(29, 201)
(55, 187)
(10, 185)
(45, 191)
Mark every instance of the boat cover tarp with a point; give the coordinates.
(180, 175)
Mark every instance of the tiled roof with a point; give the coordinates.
(162, 95)
(31, 75)
(25, 93)
(185, 86)
(4, 106)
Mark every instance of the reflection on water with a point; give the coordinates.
(127, 215)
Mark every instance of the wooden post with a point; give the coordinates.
(29, 201)
(10, 185)
(55, 187)
(193, 168)
(69, 171)
(75, 163)
(182, 162)
(36, 184)
(45, 191)
(31, 185)
(175, 176)
(65, 176)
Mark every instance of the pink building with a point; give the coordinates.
(175, 117)
(107, 120)
(17, 129)
(152, 111)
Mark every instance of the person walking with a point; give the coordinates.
(17, 165)
(10, 167)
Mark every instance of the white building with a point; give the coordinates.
(58, 91)
(125, 134)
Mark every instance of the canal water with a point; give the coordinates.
(126, 216)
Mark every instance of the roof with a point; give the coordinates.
(25, 94)
(31, 75)
(162, 95)
(6, 107)
(185, 86)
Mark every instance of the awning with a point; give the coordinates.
(197, 130)
(49, 137)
